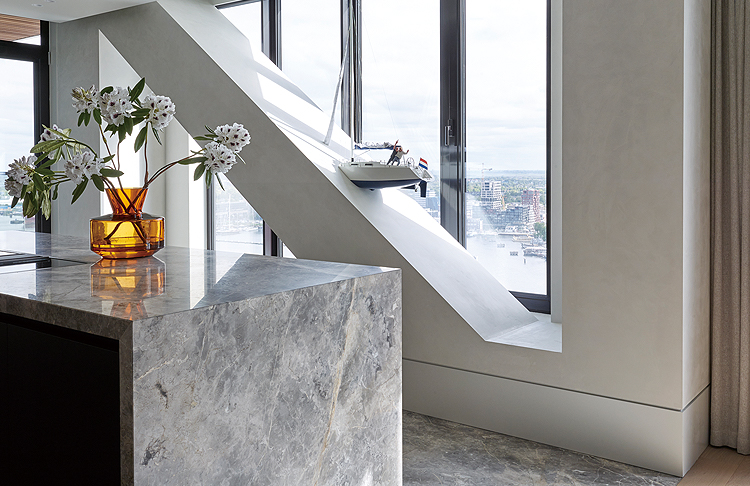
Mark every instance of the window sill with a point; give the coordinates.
(543, 335)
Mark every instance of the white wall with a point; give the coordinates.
(634, 248)
(633, 152)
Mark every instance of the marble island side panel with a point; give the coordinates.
(299, 387)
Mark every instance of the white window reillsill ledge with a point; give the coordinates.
(543, 335)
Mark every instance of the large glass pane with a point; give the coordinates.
(401, 81)
(311, 49)
(247, 19)
(506, 51)
(237, 227)
(236, 224)
(16, 132)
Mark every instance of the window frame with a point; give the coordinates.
(271, 45)
(39, 56)
(453, 135)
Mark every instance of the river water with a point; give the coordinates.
(516, 272)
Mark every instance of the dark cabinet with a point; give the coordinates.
(59, 405)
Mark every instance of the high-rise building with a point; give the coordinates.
(530, 198)
(492, 196)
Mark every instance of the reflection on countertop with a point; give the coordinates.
(177, 280)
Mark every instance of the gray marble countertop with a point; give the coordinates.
(172, 281)
(233, 368)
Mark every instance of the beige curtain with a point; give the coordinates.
(730, 265)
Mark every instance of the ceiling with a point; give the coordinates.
(64, 10)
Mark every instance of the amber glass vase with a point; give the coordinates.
(127, 232)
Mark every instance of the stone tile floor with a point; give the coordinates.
(438, 452)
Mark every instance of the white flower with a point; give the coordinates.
(20, 169)
(234, 137)
(48, 135)
(161, 110)
(91, 164)
(115, 106)
(82, 164)
(85, 100)
(13, 187)
(220, 158)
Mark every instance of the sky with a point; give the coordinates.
(505, 76)
(506, 73)
(16, 110)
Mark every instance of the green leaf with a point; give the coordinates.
(122, 132)
(79, 190)
(128, 125)
(193, 160)
(39, 182)
(14, 202)
(106, 90)
(46, 205)
(98, 116)
(46, 147)
(81, 118)
(105, 172)
(45, 163)
(209, 175)
(140, 139)
(210, 130)
(156, 135)
(54, 192)
(26, 204)
(33, 208)
(199, 172)
(87, 118)
(137, 89)
(201, 138)
(45, 172)
(144, 112)
(219, 180)
(98, 182)
(108, 158)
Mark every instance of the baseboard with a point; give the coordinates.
(652, 437)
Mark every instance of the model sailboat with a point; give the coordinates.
(376, 165)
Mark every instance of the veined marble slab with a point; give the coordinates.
(235, 369)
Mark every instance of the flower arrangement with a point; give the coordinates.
(116, 111)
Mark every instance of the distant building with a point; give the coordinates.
(492, 196)
(530, 198)
(518, 215)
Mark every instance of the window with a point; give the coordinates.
(506, 140)
(234, 225)
(401, 82)
(463, 84)
(24, 104)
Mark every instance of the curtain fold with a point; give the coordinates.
(730, 232)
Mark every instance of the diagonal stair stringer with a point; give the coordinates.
(187, 50)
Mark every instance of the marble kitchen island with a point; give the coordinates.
(225, 368)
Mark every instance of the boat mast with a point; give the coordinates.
(350, 45)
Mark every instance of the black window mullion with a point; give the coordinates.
(351, 92)
(453, 118)
(42, 105)
(271, 30)
(271, 33)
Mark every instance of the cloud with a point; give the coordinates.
(16, 110)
